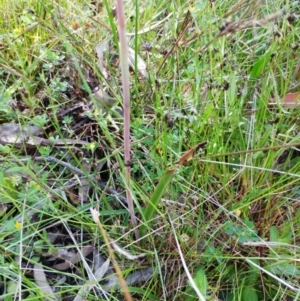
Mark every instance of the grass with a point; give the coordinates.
(226, 226)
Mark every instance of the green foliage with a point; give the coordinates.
(202, 86)
(51, 59)
(243, 233)
(8, 189)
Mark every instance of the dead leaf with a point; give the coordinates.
(139, 276)
(98, 275)
(13, 133)
(42, 283)
(3, 209)
(126, 253)
(104, 100)
(189, 155)
(86, 250)
(136, 277)
(141, 65)
(28, 136)
(290, 100)
(101, 48)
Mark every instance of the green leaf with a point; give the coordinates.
(274, 235)
(8, 192)
(5, 149)
(260, 65)
(15, 169)
(12, 287)
(9, 225)
(156, 197)
(249, 293)
(142, 292)
(201, 281)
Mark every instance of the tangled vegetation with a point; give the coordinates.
(215, 148)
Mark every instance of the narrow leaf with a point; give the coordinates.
(156, 197)
(249, 293)
(260, 65)
(274, 235)
(201, 281)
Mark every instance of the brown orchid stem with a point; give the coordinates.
(126, 99)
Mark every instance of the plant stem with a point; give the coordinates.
(126, 98)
